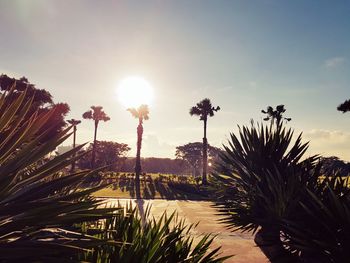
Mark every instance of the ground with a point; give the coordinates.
(153, 187)
(241, 245)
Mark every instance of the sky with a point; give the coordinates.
(243, 55)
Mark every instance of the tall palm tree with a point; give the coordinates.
(344, 107)
(275, 115)
(74, 123)
(96, 114)
(141, 113)
(203, 109)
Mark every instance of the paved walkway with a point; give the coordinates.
(239, 244)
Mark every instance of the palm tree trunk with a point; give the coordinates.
(94, 147)
(138, 160)
(205, 154)
(74, 134)
(269, 241)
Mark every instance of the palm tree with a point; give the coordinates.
(141, 114)
(96, 114)
(344, 107)
(275, 115)
(203, 109)
(74, 123)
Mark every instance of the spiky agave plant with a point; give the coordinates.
(164, 240)
(38, 207)
(260, 181)
(321, 230)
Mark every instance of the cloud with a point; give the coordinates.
(329, 143)
(335, 136)
(334, 62)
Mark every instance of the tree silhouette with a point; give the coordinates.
(203, 109)
(344, 107)
(42, 102)
(74, 123)
(192, 154)
(108, 153)
(96, 114)
(275, 116)
(141, 113)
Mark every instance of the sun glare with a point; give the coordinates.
(134, 91)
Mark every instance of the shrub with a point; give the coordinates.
(321, 230)
(260, 182)
(39, 205)
(138, 239)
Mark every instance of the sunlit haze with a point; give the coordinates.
(134, 91)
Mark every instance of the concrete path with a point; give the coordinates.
(241, 245)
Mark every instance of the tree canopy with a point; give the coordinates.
(333, 165)
(193, 155)
(275, 115)
(344, 107)
(140, 113)
(96, 113)
(107, 153)
(42, 102)
(203, 109)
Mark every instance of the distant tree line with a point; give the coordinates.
(113, 156)
(333, 165)
(157, 165)
(107, 153)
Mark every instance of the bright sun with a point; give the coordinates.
(134, 91)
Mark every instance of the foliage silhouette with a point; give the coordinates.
(110, 155)
(275, 116)
(96, 114)
(42, 102)
(260, 182)
(344, 107)
(320, 230)
(192, 154)
(334, 166)
(141, 113)
(143, 239)
(204, 109)
(40, 207)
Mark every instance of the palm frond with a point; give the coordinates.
(344, 107)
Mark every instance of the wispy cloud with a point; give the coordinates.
(334, 62)
(335, 136)
(329, 142)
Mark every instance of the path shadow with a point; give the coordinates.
(160, 188)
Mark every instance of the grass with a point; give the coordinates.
(153, 186)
